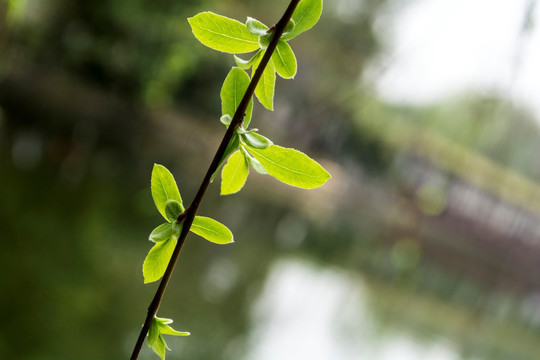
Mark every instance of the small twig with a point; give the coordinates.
(192, 209)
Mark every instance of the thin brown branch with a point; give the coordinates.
(191, 211)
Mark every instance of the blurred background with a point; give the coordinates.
(424, 245)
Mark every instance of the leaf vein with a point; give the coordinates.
(284, 167)
(227, 36)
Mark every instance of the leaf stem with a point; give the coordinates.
(191, 211)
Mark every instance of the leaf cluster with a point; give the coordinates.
(231, 36)
(248, 148)
(168, 202)
(158, 328)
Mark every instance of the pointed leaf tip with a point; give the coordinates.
(165, 328)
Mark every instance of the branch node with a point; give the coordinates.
(180, 219)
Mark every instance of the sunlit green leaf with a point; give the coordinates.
(156, 261)
(159, 346)
(291, 166)
(223, 34)
(255, 140)
(211, 230)
(254, 163)
(305, 16)
(177, 228)
(246, 64)
(265, 88)
(284, 60)
(172, 209)
(249, 112)
(256, 27)
(225, 120)
(163, 188)
(158, 328)
(162, 232)
(232, 92)
(153, 333)
(234, 174)
(290, 27)
(231, 147)
(264, 40)
(166, 329)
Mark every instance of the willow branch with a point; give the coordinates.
(191, 211)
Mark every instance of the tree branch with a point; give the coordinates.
(191, 211)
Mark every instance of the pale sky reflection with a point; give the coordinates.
(308, 312)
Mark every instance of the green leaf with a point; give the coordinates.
(159, 347)
(305, 16)
(254, 140)
(177, 228)
(254, 163)
(265, 40)
(211, 230)
(155, 340)
(153, 333)
(232, 92)
(265, 88)
(290, 27)
(223, 34)
(246, 64)
(234, 174)
(256, 27)
(172, 209)
(162, 232)
(291, 166)
(167, 330)
(226, 120)
(284, 60)
(163, 188)
(156, 261)
(158, 328)
(231, 147)
(249, 112)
